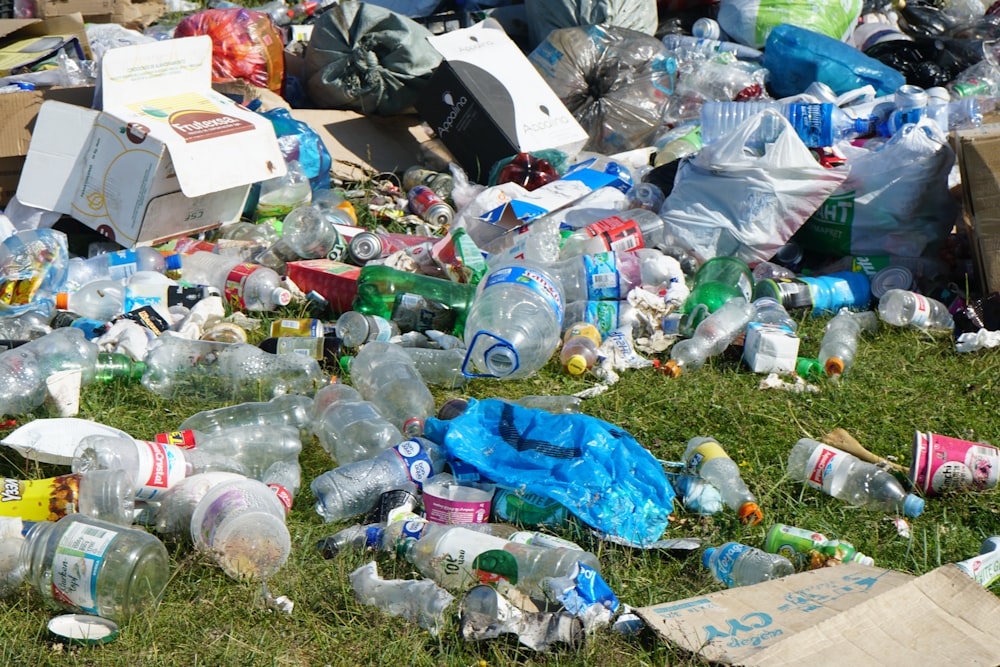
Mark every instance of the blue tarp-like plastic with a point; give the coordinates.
(596, 469)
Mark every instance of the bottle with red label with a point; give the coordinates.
(244, 285)
(153, 467)
(848, 478)
(624, 232)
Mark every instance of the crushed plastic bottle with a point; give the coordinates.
(384, 374)
(706, 458)
(712, 336)
(350, 428)
(286, 410)
(422, 601)
(486, 614)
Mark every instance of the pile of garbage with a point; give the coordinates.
(617, 194)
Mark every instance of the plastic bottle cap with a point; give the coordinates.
(173, 261)
(707, 555)
(750, 513)
(576, 365)
(861, 559)
(281, 296)
(834, 366)
(672, 368)
(62, 300)
(913, 506)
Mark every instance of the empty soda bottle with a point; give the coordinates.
(350, 428)
(903, 308)
(736, 564)
(380, 289)
(839, 345)
(286, 410)
(712, 336)
(706, 458)
(717, 281)
(811, 550)
(627, 231)
(243, 284)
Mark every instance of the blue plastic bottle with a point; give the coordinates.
(822, 295)
(803, 56)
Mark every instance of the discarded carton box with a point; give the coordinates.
(486, 101)
(770, 348)
(334, 281)
(978, 153)
(844, 615)
(167, 156)
(93, 10)
(27, 41)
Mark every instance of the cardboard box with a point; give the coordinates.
(167, 156)
(978, 154)
(769, 348)
(93, 10)
(334, 281)
(844, 615)
(486, 101)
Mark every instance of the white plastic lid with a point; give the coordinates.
(83, 629)
(281, 296)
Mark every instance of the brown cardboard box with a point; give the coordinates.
(92, 10)
(978, 153)
(844, 615)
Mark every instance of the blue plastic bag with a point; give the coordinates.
(298, 141)
(597, 470)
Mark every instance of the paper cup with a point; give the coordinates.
(447, 501)
(943, 464)
(63, 392)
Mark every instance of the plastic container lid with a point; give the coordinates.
(576, 365)
(83, 629)
(281, 296)
(913, 506)
(173, 261)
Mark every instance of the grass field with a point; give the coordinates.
(903, 381)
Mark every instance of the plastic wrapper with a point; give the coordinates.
(300, 143)
(614, 81)
(750, 21)
(368, 59)
(245, 45)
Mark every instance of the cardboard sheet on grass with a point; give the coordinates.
(845, 615)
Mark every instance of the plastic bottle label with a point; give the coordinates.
(725, 559)
(922, 313)
(603, 315)
(824, 462)
(618, 235)
(77, 562)
(704, 452)
(235, 282)
(40, 499)
(793, 543)
(220, 510)
(533, 280)
(603, 281)
(284, 496)
(465, 556)
(416, 460)
(122, 264)
(529, 508)
(161, 466)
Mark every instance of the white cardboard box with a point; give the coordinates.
(769, 348)
(167, 155)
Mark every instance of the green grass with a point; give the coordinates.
(902, 381)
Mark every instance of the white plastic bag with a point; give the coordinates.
(746, 194)
(895, 200)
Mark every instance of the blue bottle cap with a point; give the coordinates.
(173, 261)
(706, 556)
(913, 506)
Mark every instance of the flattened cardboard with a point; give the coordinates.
(844, 615)
(978, 153)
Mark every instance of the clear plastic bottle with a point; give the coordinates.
(442, 368)
(691, 45)
(153, 467)
(126, 569)
(173, 510)
(286, 410)
(456, 557)
(28, 325)
(63, 350)
(251, 448)
(736, 564)
(767, 310)
(629, 230)
(117, 266)
(350, 428)
(712, 336)
(846, 477)
(99, 300)
(580, 349)
(310, 233)
(178, 366)
(612, 275)
(22, 381)
(11, 570)
(903, 308)
(241, 523)
(514, 324)
(706, 457)
(355, 488)
(243, 284)
(108, 495)
(555, 403)
(839, 344)
(281, 195)
(817, 125)
(384, 374)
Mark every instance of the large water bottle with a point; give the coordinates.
(355, 488)
(804, 56)
(350, 428)
(817, 125)
(285, 410)
(850, 479)
(626, 231)
(117, 266)
(514, 324)
(385, 374)
(707, 458)
(245, 285)
(736, 564)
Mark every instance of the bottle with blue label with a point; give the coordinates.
(821, 295)
(736, 564)
(514, 325)
(817, 125)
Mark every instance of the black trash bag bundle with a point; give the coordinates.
(544, 16)
(615, 81)
(368, 59)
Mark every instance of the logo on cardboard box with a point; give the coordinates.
(198, 125)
